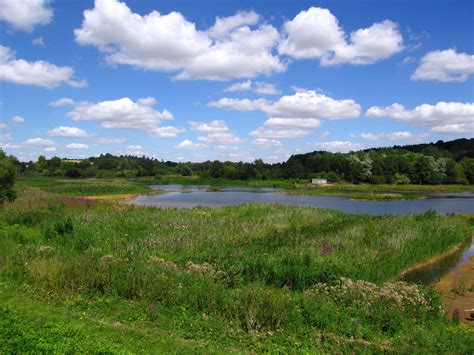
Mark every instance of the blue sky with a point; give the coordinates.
(232, 80)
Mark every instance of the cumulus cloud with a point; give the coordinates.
(371, 136)
(18, 119)
(293, 122)
(225, 138)
(315, 33)
(233, 48)
(302, 104)
(166, 132)
(38, 142)
(136, 150)
(122, 113)
(445, 66)
(24, 15)
(338, 146)
(213, 126)
(224, 26)
(63, 131)
(77, 146)
(240, 104)
(38, 73)
(258, 87)
(394, 136)
(110, 140)
(265, 143)
(62, 102)
(293, 116)
(267, 132)
(444, 117)
(187, 144)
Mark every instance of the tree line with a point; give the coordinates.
(434, 163)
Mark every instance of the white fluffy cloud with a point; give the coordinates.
(77, 146)
(338, 146)
(38, 142)
(371, 136)
(187, 144)
(38, 73)
(25, 14)
(315, 33)
(265, 143)
(444, 117)
(121, 113)
(445, 66)
(67, 132)
(396, 136)
(213, 126)
(62, 102)
(18, 119)
(404, 135)
(302, 104)
(258, 87)
(136, 150)
(169, 42)
(240, 104)
(167, 132)
(268, 132)
(292, 116)
(225, 138)
(110, 140)
(293, 122)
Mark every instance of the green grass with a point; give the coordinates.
(381, 192)
(83, 187)
(238, 278)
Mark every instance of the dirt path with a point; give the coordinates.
(457, 289)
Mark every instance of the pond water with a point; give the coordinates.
(430, 273)
(189, 196)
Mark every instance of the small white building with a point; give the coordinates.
(319, 182)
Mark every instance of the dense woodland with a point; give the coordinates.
(434, 163)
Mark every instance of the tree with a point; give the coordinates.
(7, 178)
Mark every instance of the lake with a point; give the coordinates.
(189, 196)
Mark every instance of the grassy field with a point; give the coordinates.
(84, 276)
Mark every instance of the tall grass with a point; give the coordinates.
(254, 266)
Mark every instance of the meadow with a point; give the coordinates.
(79, 275)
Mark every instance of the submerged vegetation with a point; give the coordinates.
(244, 278)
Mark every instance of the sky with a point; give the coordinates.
(231, 80)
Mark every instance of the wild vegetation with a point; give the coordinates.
(434, 163)
(247, 278)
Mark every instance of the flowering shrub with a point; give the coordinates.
(367, 297)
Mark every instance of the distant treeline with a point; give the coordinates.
(441, 162)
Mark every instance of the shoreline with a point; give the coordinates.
(457, 290)
(435, 259)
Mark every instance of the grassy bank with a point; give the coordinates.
(246, 278)
(83, 187)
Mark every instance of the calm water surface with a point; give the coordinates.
(189, 196)
(430, 274)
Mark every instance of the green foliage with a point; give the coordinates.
(434, 163)
(249, 278)
(7, 178)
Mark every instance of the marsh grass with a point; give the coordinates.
(252, 269)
